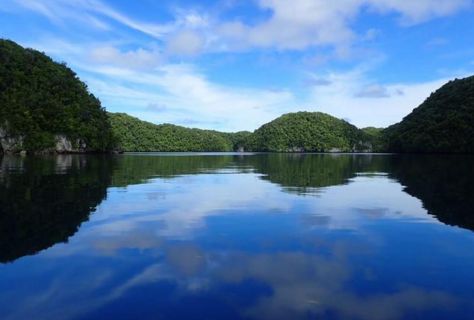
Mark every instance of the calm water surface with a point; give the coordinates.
(205, 236)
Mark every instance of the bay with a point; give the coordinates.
(237, 236)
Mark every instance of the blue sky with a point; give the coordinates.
(234, 65)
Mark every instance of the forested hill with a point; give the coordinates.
(293, 132)
(136, 135)
(45, 107)
(444, 123)
(309, 132)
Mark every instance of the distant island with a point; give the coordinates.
(46, 108)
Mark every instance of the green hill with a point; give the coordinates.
(309, 132)
(44, 107)
(375, 136)
(136, 135)
(293, 132)
(43, 103)
(444, 123)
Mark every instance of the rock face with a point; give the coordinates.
(10, 144)
(64, 145)
(363, 146)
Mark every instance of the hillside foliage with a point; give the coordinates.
(444, 123)
(376, 138)
(294, 132)
(40, 98)
(136, 135)
(308, 132)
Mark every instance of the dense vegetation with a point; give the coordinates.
(293, 132)
(240, 141)
(444, 123)
(136, 135)
(376, 138)
(40, 98)
(308, 132)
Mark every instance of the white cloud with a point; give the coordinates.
(373, 91)
(62, 12)
(185, 43)
(343, 98)
(187, 92)
(343, 95)
(296, 25)
(91, 13)
(291, 25)
(132, 81)
(301, 24)
(413, 12)
(138, 77)
(136, 59)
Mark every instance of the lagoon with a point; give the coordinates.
(237, 236)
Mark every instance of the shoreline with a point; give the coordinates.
(223, 153)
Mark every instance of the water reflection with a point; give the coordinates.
(442, 183)
(303, 173)
(136, 169)
(261, 236)
(43, 201)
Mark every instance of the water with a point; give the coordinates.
(206, 236)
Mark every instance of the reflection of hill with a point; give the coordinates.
(135, 169)
(304, 173)
(443, 183)
(43, 201)
(47, 199)
(300, 173)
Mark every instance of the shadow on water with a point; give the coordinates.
(443, 183)
(308, 173)
(136, 169)
(43, 201)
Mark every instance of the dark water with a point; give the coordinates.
(237, 236)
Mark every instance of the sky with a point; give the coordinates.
(234, 65)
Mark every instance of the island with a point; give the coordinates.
(46, 108)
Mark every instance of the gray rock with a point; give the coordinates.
(363, 146)
(295, 150)
(10, 143)
(14, 144)
(63, 144)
